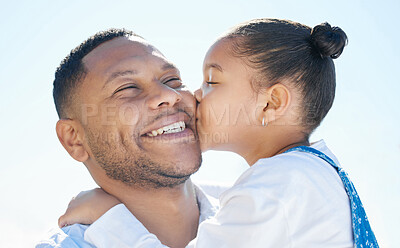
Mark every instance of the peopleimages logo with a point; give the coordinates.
(226, 115)
(114, 137)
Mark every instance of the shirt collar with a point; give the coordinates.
(208, 205)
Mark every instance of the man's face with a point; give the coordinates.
(138, 118)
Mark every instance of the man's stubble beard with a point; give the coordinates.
(122, 162)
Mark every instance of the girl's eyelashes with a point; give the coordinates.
(211, 83)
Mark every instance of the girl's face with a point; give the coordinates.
(227, 102)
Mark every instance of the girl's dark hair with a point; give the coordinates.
(282, 49)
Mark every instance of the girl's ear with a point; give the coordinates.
(71, 139)
(275, 101)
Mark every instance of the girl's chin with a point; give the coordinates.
(204, 146)
(214, 145)
(212, 140)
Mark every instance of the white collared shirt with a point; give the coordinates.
(106, 230)
(290, 200)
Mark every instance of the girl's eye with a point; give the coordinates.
(211, 83)
(174, 83)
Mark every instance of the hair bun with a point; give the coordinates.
(329, 41)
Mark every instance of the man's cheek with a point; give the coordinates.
(88, 111)
(129, 114)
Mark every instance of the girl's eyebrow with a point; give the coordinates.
(214, 65)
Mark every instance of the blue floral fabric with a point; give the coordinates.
(362, 232)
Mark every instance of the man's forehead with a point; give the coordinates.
(116, 49)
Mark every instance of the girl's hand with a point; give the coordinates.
(87, 207)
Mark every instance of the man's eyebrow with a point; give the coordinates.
(119, 74)
(168, 66)
(214, 65)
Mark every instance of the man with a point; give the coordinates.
(125, 114)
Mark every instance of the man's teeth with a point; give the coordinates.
(173, 128)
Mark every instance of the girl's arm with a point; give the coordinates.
(87, 207)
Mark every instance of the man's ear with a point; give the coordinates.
(71, 139)
(275, 101)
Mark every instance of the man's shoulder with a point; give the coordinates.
(68, 237)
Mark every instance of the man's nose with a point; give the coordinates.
(198, 94)
(163, 96)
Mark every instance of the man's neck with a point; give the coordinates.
(172, 214)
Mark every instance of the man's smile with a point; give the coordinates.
(175, 126)
(172, 128)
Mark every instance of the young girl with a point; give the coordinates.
(270, 83)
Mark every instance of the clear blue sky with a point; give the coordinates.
(38, 178)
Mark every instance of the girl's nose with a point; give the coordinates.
(198, 95)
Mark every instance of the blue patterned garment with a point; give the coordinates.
(362, 233)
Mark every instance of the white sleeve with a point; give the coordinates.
(67, 237)
(58, 240)
(213, 189)
(245, 220)
(119, 228)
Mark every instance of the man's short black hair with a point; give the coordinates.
(72, 70)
